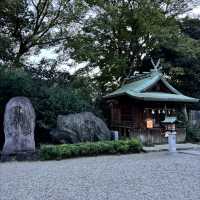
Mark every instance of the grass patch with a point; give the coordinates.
(57, 152)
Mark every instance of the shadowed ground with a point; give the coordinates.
(127, 177)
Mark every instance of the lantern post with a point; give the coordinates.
(170, 132)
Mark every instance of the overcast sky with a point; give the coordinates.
(195, 12)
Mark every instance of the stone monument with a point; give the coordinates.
(19, 125)
(80, 127)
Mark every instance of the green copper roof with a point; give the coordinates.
(169, 120)
(136, 89)
(160, 96)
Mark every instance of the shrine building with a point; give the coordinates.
(140, 105)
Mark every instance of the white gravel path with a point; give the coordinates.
(151, 176)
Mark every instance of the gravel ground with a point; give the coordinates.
(138, 176)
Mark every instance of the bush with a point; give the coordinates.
(193, 134)
(51, 152)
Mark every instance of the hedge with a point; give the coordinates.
(57, 152)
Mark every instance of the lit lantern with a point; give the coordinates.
(149, 123)
(170, 132)
(169, 124)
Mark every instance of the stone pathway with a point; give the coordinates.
(164, 147)
(191, 152)
(145, 176)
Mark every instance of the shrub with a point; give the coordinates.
(51, 152)
(193, 134)
(135, 146)
(74, 150)
(105, 147)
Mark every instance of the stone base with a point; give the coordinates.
(20, 156)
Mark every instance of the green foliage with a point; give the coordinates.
(181, 58)
(120, 35)
(193, 134)
(190, 27)
(51, 152)
(115, 38)
(49, 100)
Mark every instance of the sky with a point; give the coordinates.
(51, 54)
(193, 13)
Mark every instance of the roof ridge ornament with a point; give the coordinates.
(156, 66)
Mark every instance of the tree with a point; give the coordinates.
(121, 33)
(29, 25)
(191, 27)
(181, 57)
(48, 70)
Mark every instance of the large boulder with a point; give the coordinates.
(19, 125)
(80, 127)
(63, 137)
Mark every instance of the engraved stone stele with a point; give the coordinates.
(19, 125)
(80, 127)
